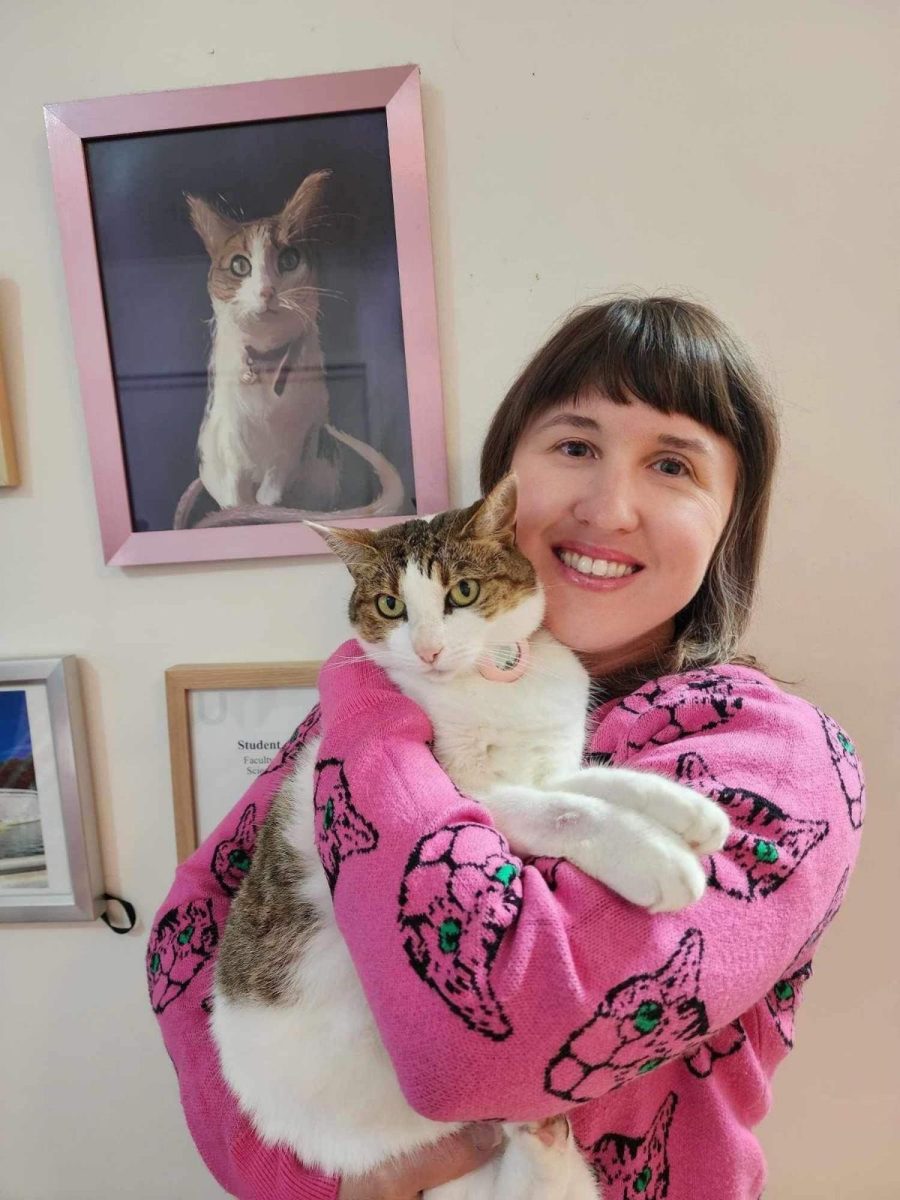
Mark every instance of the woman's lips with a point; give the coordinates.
(594, 583)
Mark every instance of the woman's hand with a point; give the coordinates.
(451, 1158)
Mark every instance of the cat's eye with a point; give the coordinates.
(240, 266)
(464, 593)
(288, 259)
(390, 606)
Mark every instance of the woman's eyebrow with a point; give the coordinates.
(580, 421)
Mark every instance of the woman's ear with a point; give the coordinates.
(495, 517)
(353, 546)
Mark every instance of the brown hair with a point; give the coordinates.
(678, 357)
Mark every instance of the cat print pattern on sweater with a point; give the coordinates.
(641, 1023)
(846, 763)
(232, 856)
(722, 1044)
(341, 830)
(308, 728)
(698, 702)
(765, 846)
(783, 1000)
(630, 1167)
(460, 893)
(181, 944)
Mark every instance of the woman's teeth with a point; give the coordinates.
(601, 567)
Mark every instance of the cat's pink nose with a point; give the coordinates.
(428, 655)
(267, 293)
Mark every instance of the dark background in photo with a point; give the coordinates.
(154, 270)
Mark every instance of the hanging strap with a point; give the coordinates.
(127, 908)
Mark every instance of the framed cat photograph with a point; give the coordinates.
(252, 299)
(227, 722)
(49, 850)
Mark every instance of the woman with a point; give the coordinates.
(644, 443)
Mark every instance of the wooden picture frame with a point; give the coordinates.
(9, 468)
(190, 785)
(147, 186)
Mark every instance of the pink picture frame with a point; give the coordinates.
(78, 130)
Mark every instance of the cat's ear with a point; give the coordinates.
(296, 214)
(495, 516)
(353, 546)
(213, 227)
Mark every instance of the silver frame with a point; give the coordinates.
(85, 900)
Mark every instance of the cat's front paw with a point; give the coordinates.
(652, 867)
(696, 818)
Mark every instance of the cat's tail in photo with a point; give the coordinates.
(388, 503)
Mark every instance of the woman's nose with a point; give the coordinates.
(609, 503)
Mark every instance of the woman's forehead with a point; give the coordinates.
(594, 412)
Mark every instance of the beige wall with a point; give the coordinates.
(742, 152)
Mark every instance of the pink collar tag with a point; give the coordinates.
(505, 664)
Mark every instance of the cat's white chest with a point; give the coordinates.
(527, 732)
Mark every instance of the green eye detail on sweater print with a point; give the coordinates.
(506, 873)
(766, 844)
(155, 963)
(641, 1024)
(448, 936)
(637, 1166)
(783, 990)
(328, 819)
(240, 860)
(185, 936)
(846, 743)
(647, 1016)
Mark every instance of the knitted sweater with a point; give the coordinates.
(535, 989)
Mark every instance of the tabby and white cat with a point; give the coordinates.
(266, 421)
(433, 603)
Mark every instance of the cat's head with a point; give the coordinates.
(433, 597)
(262, 273)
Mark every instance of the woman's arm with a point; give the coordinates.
(514, 990)
(180, 963)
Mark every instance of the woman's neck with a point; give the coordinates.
(600, 663)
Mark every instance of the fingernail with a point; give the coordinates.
(486, 1136)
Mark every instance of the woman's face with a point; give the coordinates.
(602, 484)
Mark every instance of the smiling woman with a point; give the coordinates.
(642, 434)
(644, 443)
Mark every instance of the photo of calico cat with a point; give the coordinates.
(452, 611)
(266, 449)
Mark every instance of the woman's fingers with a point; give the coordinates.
(448, 1159)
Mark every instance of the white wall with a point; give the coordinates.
(742, 152)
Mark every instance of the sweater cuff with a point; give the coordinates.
(274, 1173)
(352, 686)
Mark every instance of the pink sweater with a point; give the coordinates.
(510, 989)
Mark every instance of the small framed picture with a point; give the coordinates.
(252, 298)
(9, 471)
(226, 723)
(49, 852)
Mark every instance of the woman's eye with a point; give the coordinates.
(240, 266)
(464, 593)
(390, 606)
(682, 467)
(572, 448)
(288, 259)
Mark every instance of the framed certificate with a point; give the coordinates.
(226, 723)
